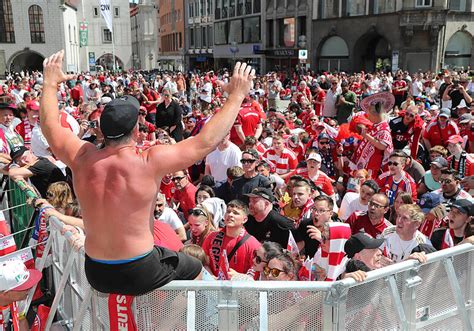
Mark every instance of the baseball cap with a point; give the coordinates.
(428, 201)
(252, 152)
(464, 206)
(105, 100)
(434, 107)
(33, 105)
(15, 276)
(119, 117)
(314, 156)
(10, 106)
(445, 112)
(456, 139)
(262, 192)
(462, 104)
(465, 118)
(360, 241)
(17, 152)
(440, 162)
(324, 135)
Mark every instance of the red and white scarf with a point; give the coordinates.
(448, 239)
(334, 261)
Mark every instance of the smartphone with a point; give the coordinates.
(93, 124)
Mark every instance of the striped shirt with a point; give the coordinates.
(391, 188)
(285, 162)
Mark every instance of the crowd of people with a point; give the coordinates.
(321, 176)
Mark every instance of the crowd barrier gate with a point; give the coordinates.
(406, 296)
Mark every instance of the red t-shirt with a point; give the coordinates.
(439, 136)
(285, 162)
(186, 198)
(242, 260)
(164, 236)
(167, 188)
(359, 221)
(319, 107)
(390, 188)
(249, 117)
(324, 182)
(398, 84)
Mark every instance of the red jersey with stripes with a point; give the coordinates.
(323, 181)
(360, 222)
(285, 162)
(249, 117)
(390, 187)
(464, 165)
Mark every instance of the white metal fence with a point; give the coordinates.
(407, 295)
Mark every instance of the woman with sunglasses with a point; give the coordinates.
(200, 225)
(282, 267)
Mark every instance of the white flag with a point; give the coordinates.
(106, 12)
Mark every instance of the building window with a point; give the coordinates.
(225, 9)
(256, 6)
(191, 38)
(106, 36)
(384, 6)
(287, 32)
(209, 8)
(423, 3)
(235, 31)
(252, 30)
(210, 36)
(329, 8)
(240, 7)
(248, 7)
(220, 33)
(232, 8)
(457, 5)
(355, 7)
(190, 9)
(95, 11)
(7, 29)
(204, 37)
(180, 37)
(35, 15)
(217, 12)
(116, 11)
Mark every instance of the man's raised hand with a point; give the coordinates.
(241, 80)
(52, 69)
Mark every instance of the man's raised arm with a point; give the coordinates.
(169, 158)
(62, 141)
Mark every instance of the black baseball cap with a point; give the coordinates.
(119, 117)
(17, 152)
(252, 152)
(464, 206)
(360, 241)
(262, 192)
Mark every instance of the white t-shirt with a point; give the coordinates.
(39, 144)
(351, 203)
(399, 250)
(170, 217)
(219, 161)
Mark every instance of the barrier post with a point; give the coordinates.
(412, 280)
(228, 308)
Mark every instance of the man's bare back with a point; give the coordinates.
(116, 188)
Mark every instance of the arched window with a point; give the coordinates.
(35, 14)
(7, 30)
(334, 55)
(458, 50)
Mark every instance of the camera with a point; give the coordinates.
(93, 124)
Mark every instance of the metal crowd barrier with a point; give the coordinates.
(406, 296)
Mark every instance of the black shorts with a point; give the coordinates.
(138, 277)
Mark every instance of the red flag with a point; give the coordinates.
(120, 313)
(223, 267)
(292, 246)
(41, 318)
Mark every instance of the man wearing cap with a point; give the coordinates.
(365, 252)
(450, 187)
(460, 160)
(251, 178)
(117, 188)
(11, 138)
(264, 222)
(15, 281)
(466, 125)
(331, 157)
(439, 130)
(459, 225)
(430, 181)
(41, 171)
(319, 178)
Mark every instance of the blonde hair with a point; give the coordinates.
(414, 212)
(197, 252)
(59, 195)
(209, 224)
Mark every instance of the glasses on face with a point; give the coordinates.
(320, 211)
(273, 271)
(324, 142)
(446, 181)
(390, 163)
(177, 178)
(197, 212)
(257, 258)
(247, 161)
(166, 95)
(375, 205)
(334, 83)
(142, 113)
(410, 114)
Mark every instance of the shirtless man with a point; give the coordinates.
(117, 188)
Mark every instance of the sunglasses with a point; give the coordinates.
(393, 163)
(324, 142)
(197, 212)
(445, 181)
(257, 258)
(177, 178)
(142, 113)
(248, 161)
(273, 271)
